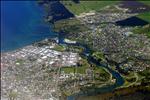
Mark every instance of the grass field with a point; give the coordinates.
(86, 6)
(103, 74)
(98, 55)
(68, 70)
(130, 79)
(145, 2)
(80, 69)
(69, 26)
(59, 48)
(145, 16)
(19, 61)
(142, 30)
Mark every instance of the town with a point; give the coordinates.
(92, 53)
(33, 69)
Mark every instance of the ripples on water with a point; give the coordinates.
(22, 24)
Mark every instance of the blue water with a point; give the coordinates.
(132, 21)
(22, 23)
(86, 53)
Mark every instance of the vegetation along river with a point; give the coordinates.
(86, 53)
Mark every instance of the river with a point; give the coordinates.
(26, 26)
(86, 53)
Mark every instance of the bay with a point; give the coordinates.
(22, 23)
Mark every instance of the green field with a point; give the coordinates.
(103, 75)
(19, 61)
(142, 30)
(130, 79)
(68, 70)
(145, 2)
(145, 16)
(83, 67)
(59, 48)
(80, 69)
(98, 55)
(146, 75)
(86, 6)
(69, 26)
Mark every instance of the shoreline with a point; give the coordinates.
(28, 44)
(117, 92)
(105, 91)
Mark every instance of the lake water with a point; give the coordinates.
(132, 21)
(22, 23)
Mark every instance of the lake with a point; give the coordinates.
(132, 21)
(22, 23)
